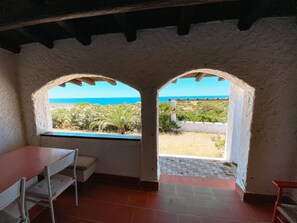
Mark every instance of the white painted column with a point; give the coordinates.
(245, 137)
(235, 116)
(149, 147)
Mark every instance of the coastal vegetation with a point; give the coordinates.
(126, 118)
(202, 111)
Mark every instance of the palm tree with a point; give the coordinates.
(118, 116)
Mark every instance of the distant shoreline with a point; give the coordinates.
(69, 105)
(127, 100)
(57, 106)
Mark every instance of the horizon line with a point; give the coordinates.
(140, 96)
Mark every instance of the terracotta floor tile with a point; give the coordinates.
(122, 214)
(100, 194)
(189, 219)
(185, 191)
(262, 211)
(156, 202)
(164, 217)
(168, 189)
(101, 212)
(142, 215)
(175, 202)
(165, 178)
(197, 181)
(138, 198)
(186, 180)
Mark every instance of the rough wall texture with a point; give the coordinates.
(263, 58)
(235, 112)
(114, 157)
(12, 135)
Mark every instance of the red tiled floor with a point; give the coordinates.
(178, 201)
(165, 217)
(138, 198)
(143, 215)
(122, 214)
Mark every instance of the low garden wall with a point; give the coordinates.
(212, 127)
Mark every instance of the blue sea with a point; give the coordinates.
(131, 100)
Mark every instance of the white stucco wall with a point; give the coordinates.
(11, 135)
(235, 112)
(262, 58)
(212, 127)
(115, 157)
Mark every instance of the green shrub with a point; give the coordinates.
(219, 141)
(82, 115)
(203, 111)
(165, 123)
(89, 117)
(61, 119)
(120, 118)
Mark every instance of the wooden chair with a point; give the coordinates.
(14, 193)
(47, 190)
(284, 212)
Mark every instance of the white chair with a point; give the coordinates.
(13, 193)
(47, 190)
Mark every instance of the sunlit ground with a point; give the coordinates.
(185, 143)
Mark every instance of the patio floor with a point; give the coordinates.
(196, 167)
(179, 200)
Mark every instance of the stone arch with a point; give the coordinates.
(240, 114)
(41, 108)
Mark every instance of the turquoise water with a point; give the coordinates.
(132, 100)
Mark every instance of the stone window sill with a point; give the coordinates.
(91, 136)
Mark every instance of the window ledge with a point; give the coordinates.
(92, 136)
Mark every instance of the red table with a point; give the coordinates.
(26, 162)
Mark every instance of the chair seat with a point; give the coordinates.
(83, 162)
(7, 218)
(58, 184)
(289, 212)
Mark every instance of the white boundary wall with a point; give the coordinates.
(211, 127)
(186, 126)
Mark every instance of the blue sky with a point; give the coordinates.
(208, 86)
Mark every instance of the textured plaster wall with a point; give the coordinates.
(113, 156)
(235, 112)
(261, 60)
(11, 135)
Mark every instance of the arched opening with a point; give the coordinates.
(87, 103)
(239, 118)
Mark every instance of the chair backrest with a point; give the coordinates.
(61, 164)
(12, 193)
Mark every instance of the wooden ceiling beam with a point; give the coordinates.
(127, 27)
(73, 31)
(58, 10)
(199, 76)
(87, 80)
(112, 82)
(185, 20)
(35, 37)
(9, 45)
(76, 82)
(251, 11)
